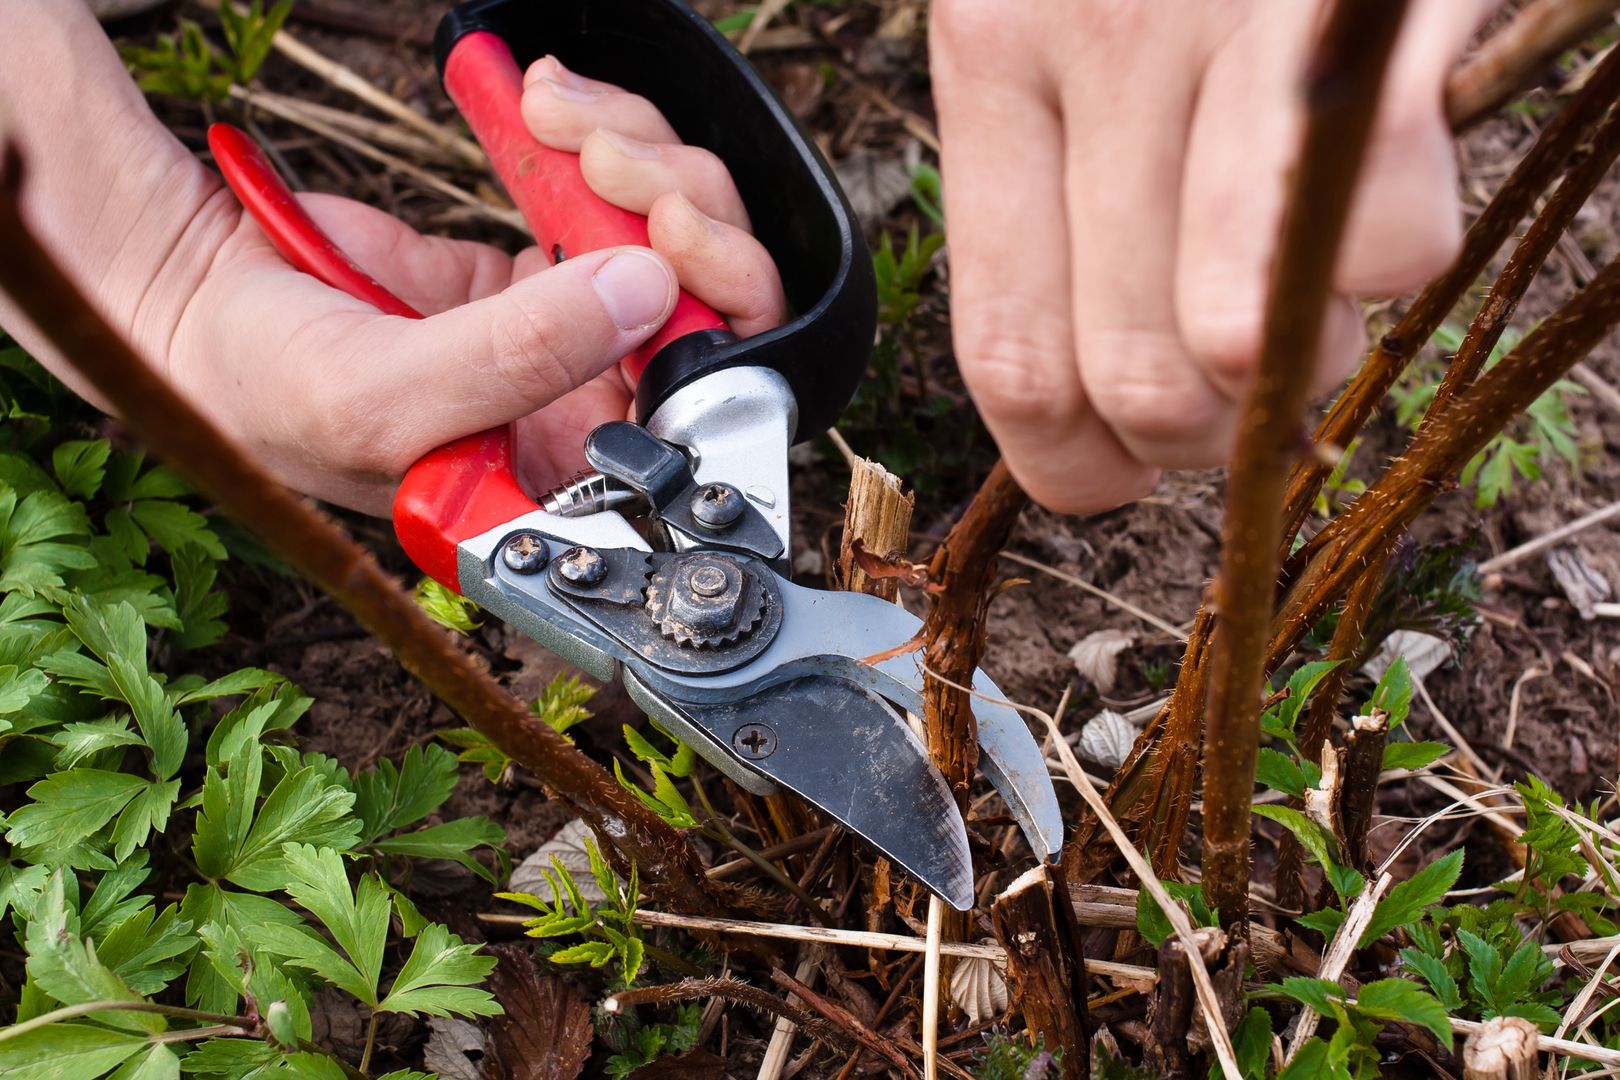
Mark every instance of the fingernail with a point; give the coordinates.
(570, 93)
(631, 148)
(634, 287)
(567, 77)
(693, 213)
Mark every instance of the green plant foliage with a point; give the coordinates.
(123, 786)
(634, 1043)
(608, 929)
(665, 799)
(1151, 921)
(1545, 433)
(1015, 1057)
(449, 609)
(187, 65)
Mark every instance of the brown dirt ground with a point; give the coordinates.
(1158, 553)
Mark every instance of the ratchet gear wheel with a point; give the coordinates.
(703, 600)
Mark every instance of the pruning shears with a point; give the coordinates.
(779, 686)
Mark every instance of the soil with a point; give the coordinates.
(1159, 553)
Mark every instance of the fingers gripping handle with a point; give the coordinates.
(467, 487)
(484, 81)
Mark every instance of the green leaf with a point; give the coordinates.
(1398, 999)
(1312, 837)
(144, 948)
(233, 1059)
(439, 976)
(304, 808)
(562, 703)
(666, 800)
(1347, 883)
(1524, 973)
(1393, 694)
(454, 840)
(1484, 966)
(207, 987)
(1411, 899)
(32, 554)
(387, 798)
(1325, 922)
(1413, 755)
(1279, 772)
(1251, 1044)
(67, 1051)
(147, 813)
(1321, 995)
(358, 921)
(196, 602)
(69, 806)
(1436, 974)
(64, 965)
(175, 526)
(80, 465)
(79, 740)
(313, 954)
(1281, 719)
(476, 749)
(594, 953)
(158, 1063)
(448, 609)
(117, 637)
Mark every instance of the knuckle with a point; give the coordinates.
(1225, 340)
(1021, 377)
(1147, 390)
(526, 352)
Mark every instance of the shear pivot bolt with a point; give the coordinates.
(708, 580)
(524, 553)
(717, 506)
(582, 566)
(754, 741)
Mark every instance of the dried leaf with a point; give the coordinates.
(568, 845)
(1096, 656)
(546, 1031)
(1583, 585)
(1424, 653)
(1106, 739)
(874, 183)
(979, 989)
(455, 1049)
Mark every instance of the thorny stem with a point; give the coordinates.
(313, 544)
(1153, 789)
(1341, 96)
(1389, 357)
(1491, 320)
(962, 570)
(1515, 56)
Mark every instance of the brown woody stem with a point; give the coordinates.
(1341, 96)
(1516, 56)
(314, 545)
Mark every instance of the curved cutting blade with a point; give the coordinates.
(843, 749)
(852, 637)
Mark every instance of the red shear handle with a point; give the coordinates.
(467, 487)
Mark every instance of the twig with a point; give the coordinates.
(776, 1051)
(1396, 348)
(931, 987)
(835, 1013)
(1514, 57)
(1337, 955)
(1596, 384)
(349, 82)
(1550, 539)
(1177, 633)
(505, 215)
(862, 939)
(1342, 95)
(1363, 761)
(1173, 911)
(317, 548)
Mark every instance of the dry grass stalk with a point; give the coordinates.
(1338, 953)
(292, 111)
(1515, 56)
(351, 83)
(1552, 539)
(317, 548)
(1341, 97)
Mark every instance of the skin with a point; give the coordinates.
(1114, 181)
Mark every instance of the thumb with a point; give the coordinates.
(491, 361)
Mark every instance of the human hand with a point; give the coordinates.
(1114, 177)
(339, 400)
